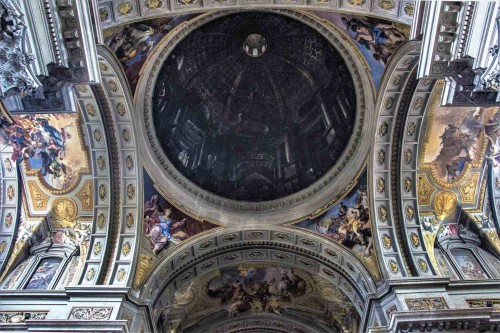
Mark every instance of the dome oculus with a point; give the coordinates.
(254, 106)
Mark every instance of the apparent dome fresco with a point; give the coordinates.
(254, 106)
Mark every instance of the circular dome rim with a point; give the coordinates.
(206, 205)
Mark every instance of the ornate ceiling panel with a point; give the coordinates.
(113, 13)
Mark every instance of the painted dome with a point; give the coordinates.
(254, 106)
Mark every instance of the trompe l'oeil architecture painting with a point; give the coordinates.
(227, 167)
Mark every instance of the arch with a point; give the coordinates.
(233, 246)
(119, 238)
(398, 126)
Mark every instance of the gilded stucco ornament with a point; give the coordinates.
(120, 109)
(8, 220)
(393, 266)
(11, 192)
(90, 274)
(90, 109)
(422, 265)
(408, 156)
(130, 191)
(382, 213)
(101, 221)
(425, 190)
(113, 86)
(380, 185)
(386, 241)
(63, 213)
(414, 240)
(387, 4)
(129, 161)
(102, 191)
(154, 4)
(97, 249)
(8, 164)
(380, 157)
(445, 204)
(410, 212)
(129, 220)
(121, 274)
(468, 190)
(3, 246)
(408, 9)
(125, 8)
(126, 248)
(38, 197)
(407, 185)
(86, 194)
(126, 135)
(97, 135)
(383, 128)
(101, 163)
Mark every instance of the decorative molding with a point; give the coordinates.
(426, 304)
(126, 12)
(15, 317)
(90, 313)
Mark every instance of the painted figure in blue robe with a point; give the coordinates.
(159, 234)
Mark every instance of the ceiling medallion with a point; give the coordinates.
(254, 133)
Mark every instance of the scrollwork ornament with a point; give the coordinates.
(393, 266)
(414, 240)
(121, 274)
(422, 265)
(129, 220)
(380, 157)
(9, 219)
(130, 191)
(407, 185)
(90, 313)
(3, 246)
(97, 248)
(411, 128)
(380, 185)
(126, 248)
(408, 156)
(101, 162)
(382, 213)
(90, 274)
(129, 162)
(386, 241)
(383, 128)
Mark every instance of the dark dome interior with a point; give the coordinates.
(254, 106)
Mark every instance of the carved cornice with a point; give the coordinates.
(125, 12)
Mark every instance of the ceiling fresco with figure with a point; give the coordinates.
(49, 146)
(240, 102)
(348, 222)
(132, 43)
(459, 148)
(163, 227)
(376, 39)
(258, 290)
